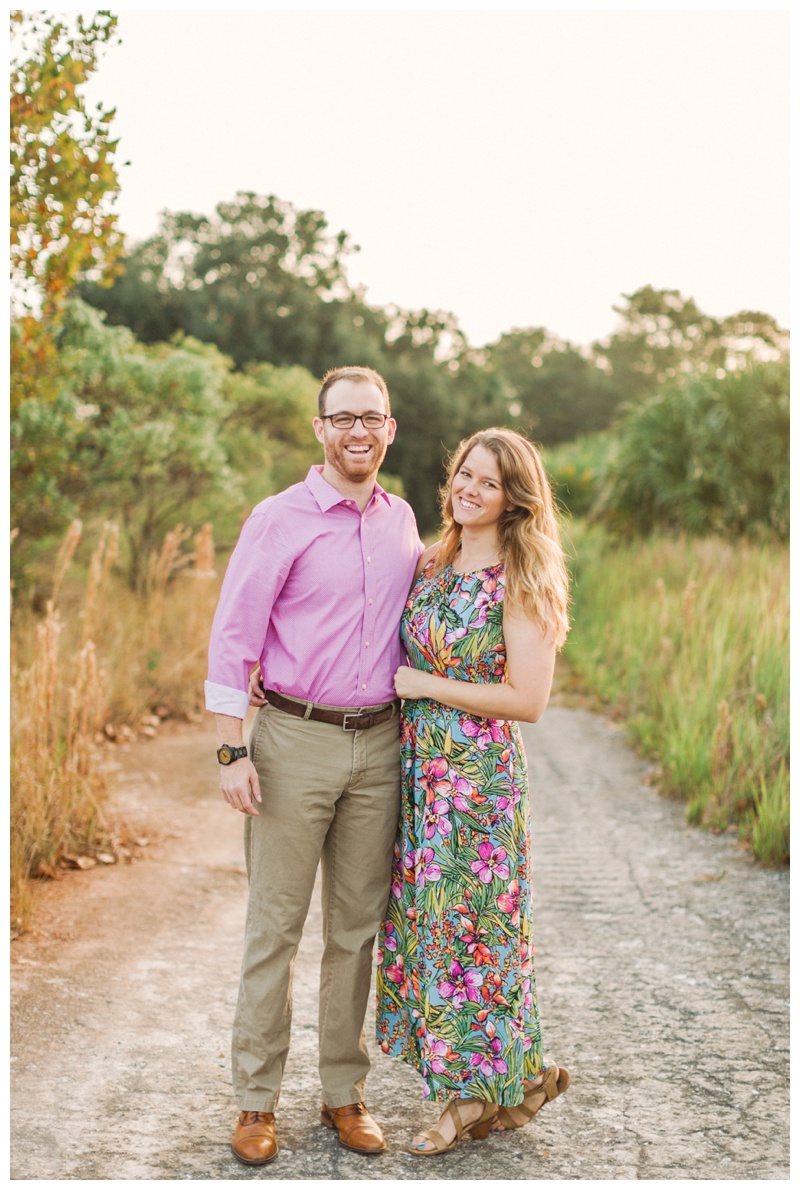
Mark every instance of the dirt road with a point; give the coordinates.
(662, 964)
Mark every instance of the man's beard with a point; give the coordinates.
(349, 467)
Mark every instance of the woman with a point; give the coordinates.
(488, 610)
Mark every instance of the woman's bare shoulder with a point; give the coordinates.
(426, 556)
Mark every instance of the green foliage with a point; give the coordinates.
(688, 640)
(251, 279)
(577, 471)
(133, 435)
(62, 171)
(267, 431)
(663, 335)
(706, 455)
(266, 283)
(552, 391)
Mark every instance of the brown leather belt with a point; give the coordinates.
(348, 720)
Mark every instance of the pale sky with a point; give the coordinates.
(518, 168)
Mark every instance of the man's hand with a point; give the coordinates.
(239, 785)
(255, 689)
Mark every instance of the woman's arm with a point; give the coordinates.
(424, 559)
(530, 661)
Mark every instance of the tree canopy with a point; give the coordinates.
(63, 178)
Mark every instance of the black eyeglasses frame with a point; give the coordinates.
(356, 417)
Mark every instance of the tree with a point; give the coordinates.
(63, 179)
(250, 278)
(551, 390)
(133, 435)
(267, 429)
(707, 455)
(266, 283)
(664, 335)
(63, 183)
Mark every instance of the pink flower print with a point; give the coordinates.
(436, 817)
(438, 1049)
(436, 768)
(508, 803)
(434, 777)
(461, 791)
(484, 732)
(472, 939)
(479, 618)
(491, 1062)
(462, 985)
(491, 863)
(455, 634)
(389, 939)
(508, 902)
(396, 971)
(428, 870)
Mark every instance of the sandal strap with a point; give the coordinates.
(547, 1087)
(452, 1111)
(436, 1139)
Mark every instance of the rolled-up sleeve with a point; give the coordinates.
(256, 573)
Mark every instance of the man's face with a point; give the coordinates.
(358, 452)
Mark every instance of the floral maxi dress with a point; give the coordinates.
(456, 992)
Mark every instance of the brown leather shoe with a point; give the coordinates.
(254, 1141)
(355, 1126)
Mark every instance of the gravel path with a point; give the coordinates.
(662, 964)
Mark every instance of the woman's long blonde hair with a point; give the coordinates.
(530, 539)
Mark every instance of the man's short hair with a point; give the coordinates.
(355, 373)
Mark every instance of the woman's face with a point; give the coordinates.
(476, 490)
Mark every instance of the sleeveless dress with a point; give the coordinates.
(455, 982)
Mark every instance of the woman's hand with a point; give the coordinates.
(255, 689)
(412, 683)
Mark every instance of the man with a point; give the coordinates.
(314, 592)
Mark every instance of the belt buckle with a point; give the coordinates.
(356, 714)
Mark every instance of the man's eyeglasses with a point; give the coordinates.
(346, 421)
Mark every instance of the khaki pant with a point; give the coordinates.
(333, 795)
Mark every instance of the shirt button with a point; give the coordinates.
(368, 558)
(369, 601)
(363, 685)
(366, 646)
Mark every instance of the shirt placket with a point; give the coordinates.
(367, 650)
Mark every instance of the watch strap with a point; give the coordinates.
(227, 754)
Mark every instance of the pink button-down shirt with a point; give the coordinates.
(314, 591)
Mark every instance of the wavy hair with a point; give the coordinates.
(530, 537)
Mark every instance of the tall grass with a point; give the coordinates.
(99, 663)
(689, 641)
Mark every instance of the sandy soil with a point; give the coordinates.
(662, 966)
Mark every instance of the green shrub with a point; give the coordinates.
(688, 639)
(578, 470)
(705, 455)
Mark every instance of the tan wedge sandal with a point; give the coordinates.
(554, 1083)
(479, 1129)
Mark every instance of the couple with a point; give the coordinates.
(314, 594)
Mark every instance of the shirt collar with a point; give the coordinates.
(327, 496)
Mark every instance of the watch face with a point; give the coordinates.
(224, 755)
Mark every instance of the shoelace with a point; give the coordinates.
(256, 1117)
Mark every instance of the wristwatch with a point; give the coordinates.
(226, 754)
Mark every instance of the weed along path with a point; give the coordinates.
(662, 960)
